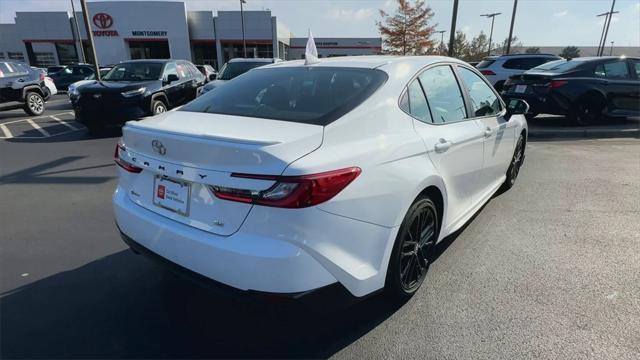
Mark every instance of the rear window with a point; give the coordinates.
(525, 63)
(485, 63)
(312, 95)
(559, 65)
(232, 69)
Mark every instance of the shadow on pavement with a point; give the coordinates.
(126, 306)
(80, 135)
(39, 175)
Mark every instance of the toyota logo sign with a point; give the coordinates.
(102, 20)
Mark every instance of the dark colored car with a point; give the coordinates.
(236, 67)
(54, 69)
(22, 86)
(584, 89)
(71, 74)
(134, 89)
(208, 71)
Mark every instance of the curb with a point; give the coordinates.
(583, 133)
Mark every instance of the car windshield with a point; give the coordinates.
(135, 71)
(232, 69)
(558, 65)
(312, 95)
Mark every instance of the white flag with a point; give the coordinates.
(311, 53)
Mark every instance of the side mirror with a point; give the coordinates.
(171, 78)
(213, 76)
(516, 107)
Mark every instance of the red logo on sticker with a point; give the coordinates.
(161, 191)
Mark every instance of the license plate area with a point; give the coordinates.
(171, 194)
(520, 89)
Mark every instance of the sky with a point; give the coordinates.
(538, 22)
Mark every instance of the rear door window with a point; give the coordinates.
(312, 95)
(485, 63)
(443, 94)
(635, 64)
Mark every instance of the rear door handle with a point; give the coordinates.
(442, 145)
(488, 132)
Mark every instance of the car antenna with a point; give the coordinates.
(311, 53)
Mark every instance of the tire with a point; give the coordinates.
(514, 166)
(530, 116)
(158, 107)
(587, 110)
(34, 104)
(410, 258)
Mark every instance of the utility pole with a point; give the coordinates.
(441, 32)
(611, 12)
(87, 26)
(452, 36)
(611, 50)
(244, 43)
(513, 19)
(79, 37)
(602, 34)
(493, 17)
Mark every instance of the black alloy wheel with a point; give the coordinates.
(515, 165)
(412, 253)
(587, 111)
(34, 104)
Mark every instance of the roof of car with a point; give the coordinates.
(493, 57)
(369, 61)
(265, 60)
(149, 61)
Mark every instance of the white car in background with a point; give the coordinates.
(299, 176)
(48, 82)
(497, 69)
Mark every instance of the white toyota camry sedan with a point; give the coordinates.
(293, 177)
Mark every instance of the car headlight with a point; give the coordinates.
(134, 92)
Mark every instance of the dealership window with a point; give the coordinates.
(205, 54)
(149, 49)
(67, 53)
(15, 56)
(283, 50)
(254, 50)
(1, 55)
(44, 59)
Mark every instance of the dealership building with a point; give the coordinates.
(124, 30)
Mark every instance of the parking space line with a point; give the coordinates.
(37, 117)
(63, 122)
(5, 130)
(37, 127)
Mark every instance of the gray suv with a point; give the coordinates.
(21, 86)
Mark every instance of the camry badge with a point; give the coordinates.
(158, 147)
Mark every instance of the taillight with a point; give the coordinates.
(124, 164)
(487, 72)
(557, 83)
(291, 191)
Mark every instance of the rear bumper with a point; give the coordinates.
(286, 257)
(540, 104)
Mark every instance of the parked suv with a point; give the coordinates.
(134, 89)
(497, 69)
(585, 89)
(70, 74)
(20, 85)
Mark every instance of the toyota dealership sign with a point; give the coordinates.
(103, 21)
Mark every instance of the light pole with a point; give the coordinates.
(244, 43)
(441, 32)
(75, 20)
(611, 49)
(611, 12)
(493, 17)
(513, 19)
(87, 27)
(452, 34)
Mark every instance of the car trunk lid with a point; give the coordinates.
(183, 154)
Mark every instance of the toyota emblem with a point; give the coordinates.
(97, 96)
(102, 20)
(158, 147)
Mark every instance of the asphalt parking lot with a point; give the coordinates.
(550, 269)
